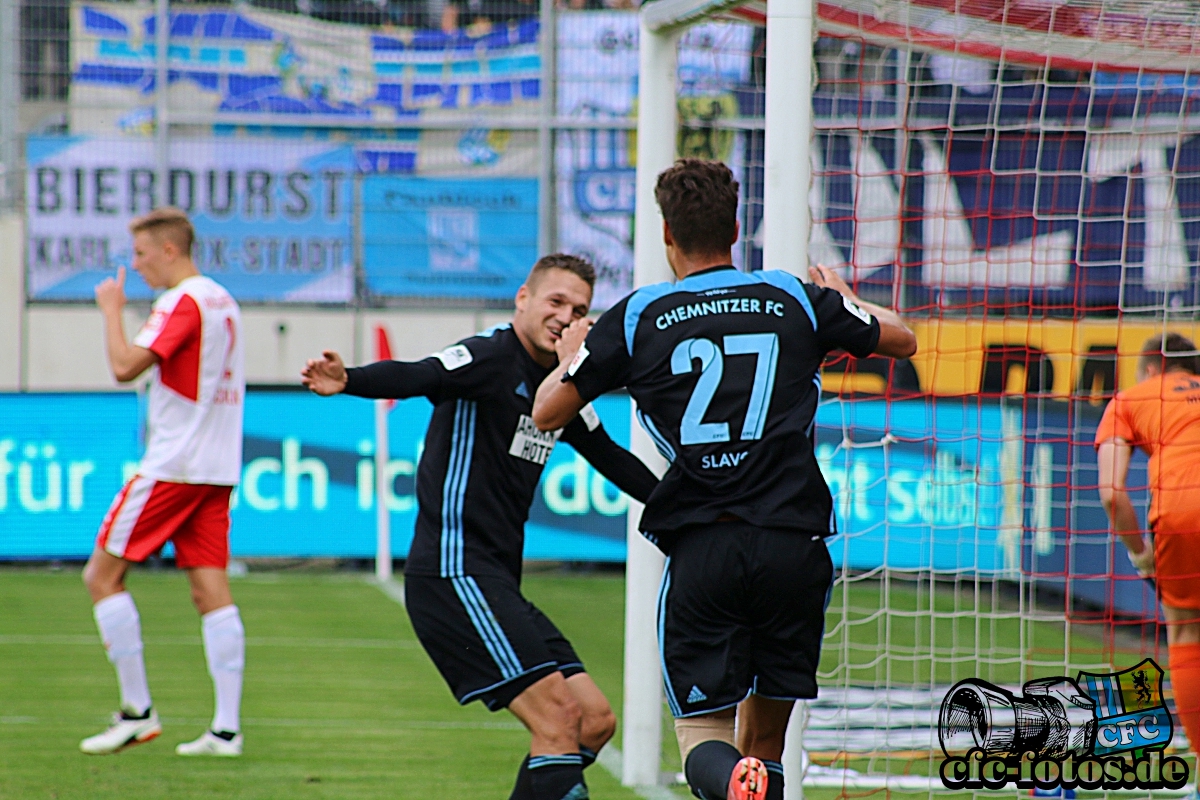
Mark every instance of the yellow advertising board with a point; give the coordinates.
(1057, 358)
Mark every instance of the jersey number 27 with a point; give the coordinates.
(693, 430)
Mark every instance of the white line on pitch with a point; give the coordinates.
(393, 589)
(273, 722)
(251, 641)
(611, 759)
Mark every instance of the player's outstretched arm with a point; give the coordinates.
(325, 375)
(126, 360)
(556, 402)
(1112, 458)
(896, 340)
(614, 462)
(383, 380)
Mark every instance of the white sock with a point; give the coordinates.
(121, 631)
(225, 649)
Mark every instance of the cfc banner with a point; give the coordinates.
(273, 219)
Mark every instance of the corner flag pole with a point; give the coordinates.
(383, 518)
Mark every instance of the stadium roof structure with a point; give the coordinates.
(1139, 35)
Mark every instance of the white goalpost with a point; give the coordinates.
(643, 701)
(1039, 156)
(786, 228)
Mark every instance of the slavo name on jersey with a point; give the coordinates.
(1098, 731)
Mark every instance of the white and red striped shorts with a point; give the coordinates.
(147, 513)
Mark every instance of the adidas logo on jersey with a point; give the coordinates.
(696, 696)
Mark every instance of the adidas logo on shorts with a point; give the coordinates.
(695, 695)
(578, 792)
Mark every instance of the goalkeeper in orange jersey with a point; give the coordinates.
(1161, 415)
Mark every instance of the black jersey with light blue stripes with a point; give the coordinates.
(725, 369)
(483, 455)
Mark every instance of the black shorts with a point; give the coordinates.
(486, 639)
(741, 611)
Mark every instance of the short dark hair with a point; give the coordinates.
(1156, 348)
(168, 223)
(573, 264)
(699, 201)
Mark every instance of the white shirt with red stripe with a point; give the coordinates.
(198, 386)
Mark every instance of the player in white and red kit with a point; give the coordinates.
(193, 345)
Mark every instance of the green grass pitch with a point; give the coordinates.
(340, 700)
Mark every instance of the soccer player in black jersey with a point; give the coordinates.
(725, 368)
(477, 476)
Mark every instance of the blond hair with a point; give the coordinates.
(169, 223)
(577, 266)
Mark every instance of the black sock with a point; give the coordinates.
(126, 714)
(226, 735)
(774, 779)
(708, 768)
(523, 788)
(557, 777)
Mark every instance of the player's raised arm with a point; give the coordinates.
(896, 340)
(127, 361)
(558, 401)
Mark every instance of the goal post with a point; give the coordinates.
(642, 712)
(786, 219)
(788, 134)
(1021, 178)
(786, 226)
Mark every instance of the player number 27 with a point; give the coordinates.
(693, 429)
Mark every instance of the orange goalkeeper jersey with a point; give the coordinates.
(1161, 415)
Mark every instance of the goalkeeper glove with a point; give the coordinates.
(1143, 562)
